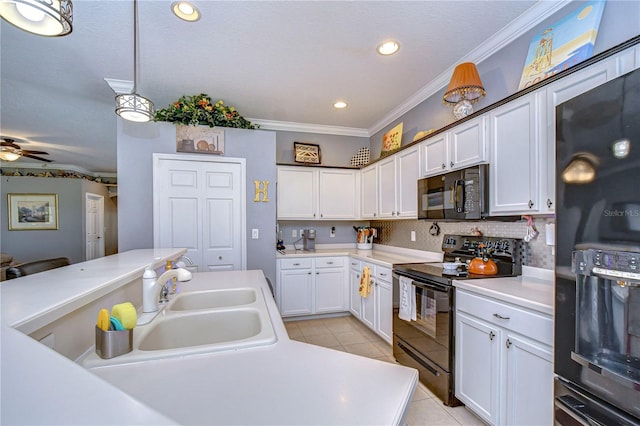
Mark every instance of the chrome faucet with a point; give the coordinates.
(153, 287)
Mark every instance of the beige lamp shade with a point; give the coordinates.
(465, 84)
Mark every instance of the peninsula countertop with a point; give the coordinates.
(287, 382)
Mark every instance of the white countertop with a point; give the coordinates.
(32, 301)
(284, 383)
(381, 254)
(533, 290)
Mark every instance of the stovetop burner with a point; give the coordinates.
(507, 253)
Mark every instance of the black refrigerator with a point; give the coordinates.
(597, 287)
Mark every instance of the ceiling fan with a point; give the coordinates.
(11, 151)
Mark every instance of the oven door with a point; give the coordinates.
(425, 343)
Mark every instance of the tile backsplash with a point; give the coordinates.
(398, 233)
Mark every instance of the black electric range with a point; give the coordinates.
(427, 342)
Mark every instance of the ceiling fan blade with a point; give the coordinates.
(28, 151)
(9, 142)
(35, 157)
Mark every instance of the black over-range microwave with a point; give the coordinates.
(459, 195)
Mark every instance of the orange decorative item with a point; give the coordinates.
(482, 265)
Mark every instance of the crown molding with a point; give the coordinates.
(56, 166)
(529, 19)
(289, 126)
(120, 86)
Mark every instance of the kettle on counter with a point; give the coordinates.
(481, 264)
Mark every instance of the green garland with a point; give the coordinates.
(198, 110)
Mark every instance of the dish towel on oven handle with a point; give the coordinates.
(365, 282)
(407, 310)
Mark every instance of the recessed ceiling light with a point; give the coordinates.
(388, 47)
(185, 10)
(340, 104)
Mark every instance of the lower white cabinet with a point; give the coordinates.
(309, 285)
(504, 361)
(375, 310)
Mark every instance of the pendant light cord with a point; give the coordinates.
(135, 46)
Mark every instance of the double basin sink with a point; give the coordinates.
(199, 322)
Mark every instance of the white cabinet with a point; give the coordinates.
(355, 273)
(309, 286)
(462, 146)
(515, 139)
(477, 365)
(369, 192)
(375, 310)
(398, 185)
(384, 303)
(307, 193)
(504, 361)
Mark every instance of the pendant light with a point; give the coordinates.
(49, 18)
(132, 106)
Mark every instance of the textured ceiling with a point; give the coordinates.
(273, 60)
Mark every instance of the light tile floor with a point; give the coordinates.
(350, 335)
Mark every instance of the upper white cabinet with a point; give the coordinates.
(398, 185)
(463, 146)
(306, 193)
(515, 139)
(369, 192)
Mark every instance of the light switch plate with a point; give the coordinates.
(413, 235)
(255, 234)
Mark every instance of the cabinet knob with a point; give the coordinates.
(508, 343)
(296, 264)
(451, 164)
(317, 273)
(374, 215)
(329, 263)
(444, 166)
(358, 276)
(501, 317)
(309, 273)
(530, 204)
(314, 215)
(492, 335)
(383, 275)
(321, 215)
(219, 257)
(549, 203)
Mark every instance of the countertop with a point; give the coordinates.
(380, 254)
(533, 290)
(287, 382)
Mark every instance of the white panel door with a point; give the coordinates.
(387, 187)
(199, 204)
(94, 211)
(177, 217)
(408, 170)
(223, 209)
(338, 194)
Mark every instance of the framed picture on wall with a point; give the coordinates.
(391, 141)
(32, 212)
(306, 153)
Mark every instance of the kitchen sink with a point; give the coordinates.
(212, 299)
(213, 329)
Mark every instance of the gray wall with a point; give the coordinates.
(68, 240)
(344, 231)
(335, 151)
(500, 73)
(136, 144)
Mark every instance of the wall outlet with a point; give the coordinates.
(413, 235)
(255, 234)
(294, 233)
(301, 233)
(332, 234)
